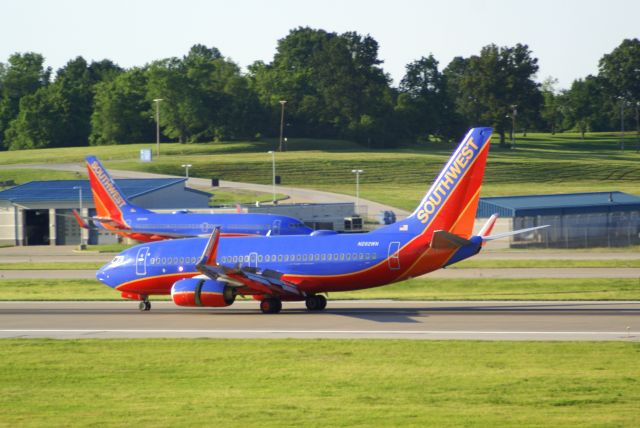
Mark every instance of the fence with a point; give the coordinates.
(613, 229)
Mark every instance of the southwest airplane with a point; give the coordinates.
(118, 215)
(272, 269)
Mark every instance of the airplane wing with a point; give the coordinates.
(263, 281)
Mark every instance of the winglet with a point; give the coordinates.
(210, 252)
(488, 226)
(83, 224)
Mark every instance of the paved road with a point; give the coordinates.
(517, 273)
(342, 319)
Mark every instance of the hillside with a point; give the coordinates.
(541, 163)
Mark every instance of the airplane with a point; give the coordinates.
(213, 272)
(116, 214)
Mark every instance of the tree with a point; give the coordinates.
(121, 110)
(333, 85)
(423, 103)
(203, 93)
(583, 104)
(492, 83)
(24, 75)
(621, 70)
(551, 113)
(59, 114)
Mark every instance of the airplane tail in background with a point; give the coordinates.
(109, 200)
(450, 204)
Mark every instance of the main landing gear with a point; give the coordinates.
(316, 302)
(273, 305)
(144, 305)
(270, 305)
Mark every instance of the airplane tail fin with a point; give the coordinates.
(109, 200)
(451, 202)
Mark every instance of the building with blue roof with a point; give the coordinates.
(594, 219)
(39, 212)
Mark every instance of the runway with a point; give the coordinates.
(422, 320)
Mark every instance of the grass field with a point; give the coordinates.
(317, 383)
(414, 289)
(542, 163)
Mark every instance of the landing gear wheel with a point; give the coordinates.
(144, 305)
(270, 306)
(316, 303)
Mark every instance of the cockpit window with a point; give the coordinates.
(117, 260)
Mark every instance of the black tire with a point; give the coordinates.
(147, 305)
(316, 303)
(143, 306)
(270, 306)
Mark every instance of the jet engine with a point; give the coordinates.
(202, 292)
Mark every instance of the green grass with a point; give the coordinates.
(542, 163)
(50, 266)
(317, 383)
(414, 289)
(228, 197)
(20, 176)
(107, 248)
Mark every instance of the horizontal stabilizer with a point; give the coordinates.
(515, 232)
(443, 240)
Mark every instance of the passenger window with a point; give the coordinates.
(279, 257)
(348, 256)
(341, 256)
(361, 256)
(298, 257)
(246, 259)
(286, 257)
(316, 257)
(324, 257)
(181, 260)
(164, 260)
(259, 259)
(304, 257)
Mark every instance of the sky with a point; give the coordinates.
(567, 36)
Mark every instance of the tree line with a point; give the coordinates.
(334, 87)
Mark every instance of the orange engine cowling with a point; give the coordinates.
(202, 292)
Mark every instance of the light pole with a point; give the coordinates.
(157, 101)
(357, 172)
(187, 166)
(638, 124)
(273, 175)
(514, 113)
(79, 189)
(280, 147)
(621, 123)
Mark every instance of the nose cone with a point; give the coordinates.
(106, 275)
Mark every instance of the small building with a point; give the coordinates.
(596, 219)
(39, 212)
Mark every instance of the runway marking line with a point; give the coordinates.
(400, 332)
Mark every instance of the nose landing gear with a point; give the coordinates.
(144, 305)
